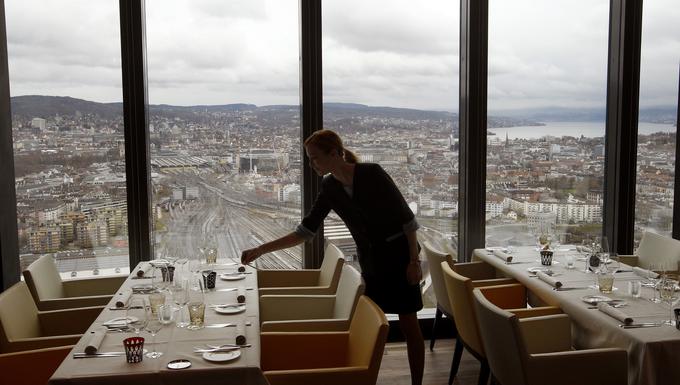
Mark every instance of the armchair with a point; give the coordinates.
(23, 327)
(322, 281)
(329, 358)
(51, 293)
(313, 312)
(533, 351)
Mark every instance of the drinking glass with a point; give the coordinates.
(656, 281)
(153, 326)
(180, 295)
(166, 314)
(156, 300)
(135, 314)
(634, 289)
(196, 308)
(667, 293)
(605, 282)
(569, 259)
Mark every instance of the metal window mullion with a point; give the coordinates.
(9, 242)
(623, 86)
(311, 115)
(472, 125)
(135, 110)
(676, 185)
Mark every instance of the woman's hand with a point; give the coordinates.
(414, 273)
(250, 255)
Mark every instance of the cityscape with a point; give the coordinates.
(230, 175)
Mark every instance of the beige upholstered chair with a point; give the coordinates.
(328, 358)
(434, 261)
(656, 250)
(313, 312)
(537, 351)
(51, 293)
(23, 327)
(305, 281)
(460, 281)
(31, 367)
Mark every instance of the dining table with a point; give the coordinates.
(653, 347)
(177, 343)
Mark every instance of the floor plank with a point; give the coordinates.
(394, 368)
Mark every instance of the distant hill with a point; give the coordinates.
(660, 114)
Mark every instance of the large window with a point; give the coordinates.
(65, 81)
(390, 81)
(546, 120)
(224, 126)
(659, 66)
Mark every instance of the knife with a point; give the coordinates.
(640, 325)
(97, 355)
(233, 289)
(227, 325)
(571, 288)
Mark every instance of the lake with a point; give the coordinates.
(575, 129)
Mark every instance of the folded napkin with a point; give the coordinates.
(548, 279)
(143, 271)
(616, 313)
(241, 297)
(644, 273)
(504, 256)
(96, 338)
(122, 298)
(240, 333)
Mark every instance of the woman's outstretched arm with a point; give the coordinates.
(284, 242)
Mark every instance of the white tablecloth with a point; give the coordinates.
(175, 343)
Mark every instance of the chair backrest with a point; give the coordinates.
(350, 288)
(501, 336)
(434, 261)
(43, 279)
(331, 267)
(658, 250)
(367, 337)
(462, 306)
(32, 366)
(18, 316)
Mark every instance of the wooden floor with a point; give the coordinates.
(394, 368)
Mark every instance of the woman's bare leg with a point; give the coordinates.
(415, 346)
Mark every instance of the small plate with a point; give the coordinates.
(143, 289)
(179, 364)
(122, 321)
(232, 277)
(230, 309)
(222, 356)
(535, 269)
(159, 262)
(595, 299)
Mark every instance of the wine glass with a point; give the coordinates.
(135, 315)
(667, 293)
(153, 326)
(180, 295)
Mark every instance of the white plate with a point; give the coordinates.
(231, 309)
(535, 269)
(121, 321)
(142, 289)
(595, 299)
(222, 356)
(232, 277)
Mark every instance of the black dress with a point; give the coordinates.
(376, 215)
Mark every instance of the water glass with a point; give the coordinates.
(196, 315)
(180, 295)
(153, 326)
(156, 300)
(605, 282)
(635, 289)
(166, 314)
(569, 259)
(135, 314)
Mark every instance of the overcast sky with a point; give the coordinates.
(388, 52)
